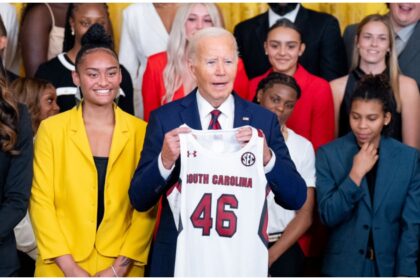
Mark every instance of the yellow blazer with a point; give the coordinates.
(63, 203)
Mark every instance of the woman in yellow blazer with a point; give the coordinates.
(84, 161)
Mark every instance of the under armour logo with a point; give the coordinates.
(193, 153)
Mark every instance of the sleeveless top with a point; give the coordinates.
(219, 206)
(56, 37)
(343, 122)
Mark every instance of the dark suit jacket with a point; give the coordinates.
(394, 217)
(148, 186)
(409, 58)
(15, 189)
(324, 55)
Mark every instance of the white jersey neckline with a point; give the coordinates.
(216, 154)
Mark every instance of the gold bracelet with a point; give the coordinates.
(113, 270)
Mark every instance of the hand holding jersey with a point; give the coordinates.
(213, 62)
(170, 147)
(219, 204)
(244, 134)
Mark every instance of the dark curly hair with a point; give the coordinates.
(278, 78)
(95, 38)
(9, 119)
(377, 87)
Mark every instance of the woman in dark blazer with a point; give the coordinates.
(368, 191)
(16, 152)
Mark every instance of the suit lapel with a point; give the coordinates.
(412, 47)
(78, 133)
(119, 138)
(189, 114)
(242, 113)
(386, 171)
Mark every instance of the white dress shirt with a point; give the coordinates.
(25, 237)
(226, 118)
(273, 17)
(227, 110)
(402, 37)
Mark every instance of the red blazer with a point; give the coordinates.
(313, 116)
(153, 88)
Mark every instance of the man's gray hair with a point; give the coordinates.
(209, 32)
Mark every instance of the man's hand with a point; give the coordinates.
(244, 134)
(171, 146)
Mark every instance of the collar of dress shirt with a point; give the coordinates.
(406, 32)
(273, 17)
(227, 108)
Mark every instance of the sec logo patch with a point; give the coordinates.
(248, 159)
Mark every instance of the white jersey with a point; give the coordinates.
(219, 206)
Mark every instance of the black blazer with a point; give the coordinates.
(409, 58)
(15, 189)
(324, 55)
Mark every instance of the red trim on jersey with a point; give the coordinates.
(262, 231)
(177, 185)
(159, 212)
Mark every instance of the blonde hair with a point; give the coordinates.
(176, 67)
(391, 58)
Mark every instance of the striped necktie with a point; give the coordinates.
(214, 123)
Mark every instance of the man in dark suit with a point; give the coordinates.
(405, 21)
(213, 62)
(324, 55)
